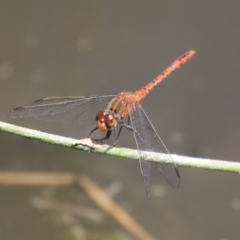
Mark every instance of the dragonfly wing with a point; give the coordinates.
(148, 140)
(64, 109)
(56, 100)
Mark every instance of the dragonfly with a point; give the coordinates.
(111, 113)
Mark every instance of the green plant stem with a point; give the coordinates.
(87, 145)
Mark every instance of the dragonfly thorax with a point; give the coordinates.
(106, 120)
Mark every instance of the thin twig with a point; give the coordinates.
(87, 145)
(96, 194)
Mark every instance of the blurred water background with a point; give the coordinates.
(61, 48)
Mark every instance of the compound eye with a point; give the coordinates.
(110, 120)
(100, 121)
(101, 126)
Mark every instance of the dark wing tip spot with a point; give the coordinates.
(17, 109)
(37, 101)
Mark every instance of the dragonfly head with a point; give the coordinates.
(106, 120)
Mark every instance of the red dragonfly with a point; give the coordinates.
(116, 109)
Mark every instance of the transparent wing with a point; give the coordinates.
(64, 109)
(147, 139)
(56, 100)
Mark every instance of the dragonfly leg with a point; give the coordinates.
(96, 128)
(101, 139)
(109, 132)
(122, 124)
(117, 135)
(97, 140)
(128, 121)
(127, 127)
